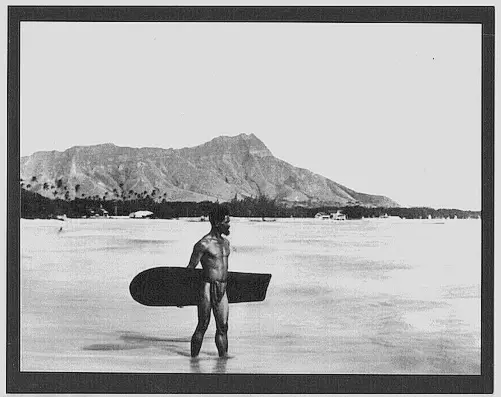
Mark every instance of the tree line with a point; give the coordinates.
(59, 189)
(34, 205)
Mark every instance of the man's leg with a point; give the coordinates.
(220, 308)
(203, 319)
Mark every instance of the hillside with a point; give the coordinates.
(222, 169)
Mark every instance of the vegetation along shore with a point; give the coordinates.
(34, 205)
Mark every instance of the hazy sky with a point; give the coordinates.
(383, 109)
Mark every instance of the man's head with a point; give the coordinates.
(219, 219)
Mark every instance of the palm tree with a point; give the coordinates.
(45, 186)
(33, 179)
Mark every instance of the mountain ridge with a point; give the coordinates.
(221, 169)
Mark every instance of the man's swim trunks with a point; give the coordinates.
(217, 290)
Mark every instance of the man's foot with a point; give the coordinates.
(223, 354)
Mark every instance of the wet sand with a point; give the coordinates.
(386, 297)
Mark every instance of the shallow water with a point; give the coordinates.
(367, 296)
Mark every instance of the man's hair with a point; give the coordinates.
(217, 214)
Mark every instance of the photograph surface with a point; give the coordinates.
(323, 179)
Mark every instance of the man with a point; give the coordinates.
(212, 252)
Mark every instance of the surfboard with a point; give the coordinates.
(180, 286)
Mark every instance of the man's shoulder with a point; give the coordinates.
(204, 242)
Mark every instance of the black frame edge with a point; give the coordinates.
(487, 284)
(13, 202)
(41, 382)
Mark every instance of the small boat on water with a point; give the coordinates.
(389, 217)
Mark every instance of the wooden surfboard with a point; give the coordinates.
(180, 286)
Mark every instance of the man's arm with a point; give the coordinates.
(196, 255)
(198, 251)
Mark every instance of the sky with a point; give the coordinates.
(389, 109)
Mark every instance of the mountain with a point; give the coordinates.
(222, 169)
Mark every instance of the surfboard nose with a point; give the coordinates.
(136, 289)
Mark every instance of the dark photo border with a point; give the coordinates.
(59, 382)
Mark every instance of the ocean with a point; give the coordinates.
(350, 297)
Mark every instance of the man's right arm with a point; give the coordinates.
(196, 255)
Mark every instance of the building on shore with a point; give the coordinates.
(141, 214)
(97, 213)
(338, 216)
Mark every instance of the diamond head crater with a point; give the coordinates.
(239, 170)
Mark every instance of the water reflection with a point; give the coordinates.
(195, 365)
(200, 365)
